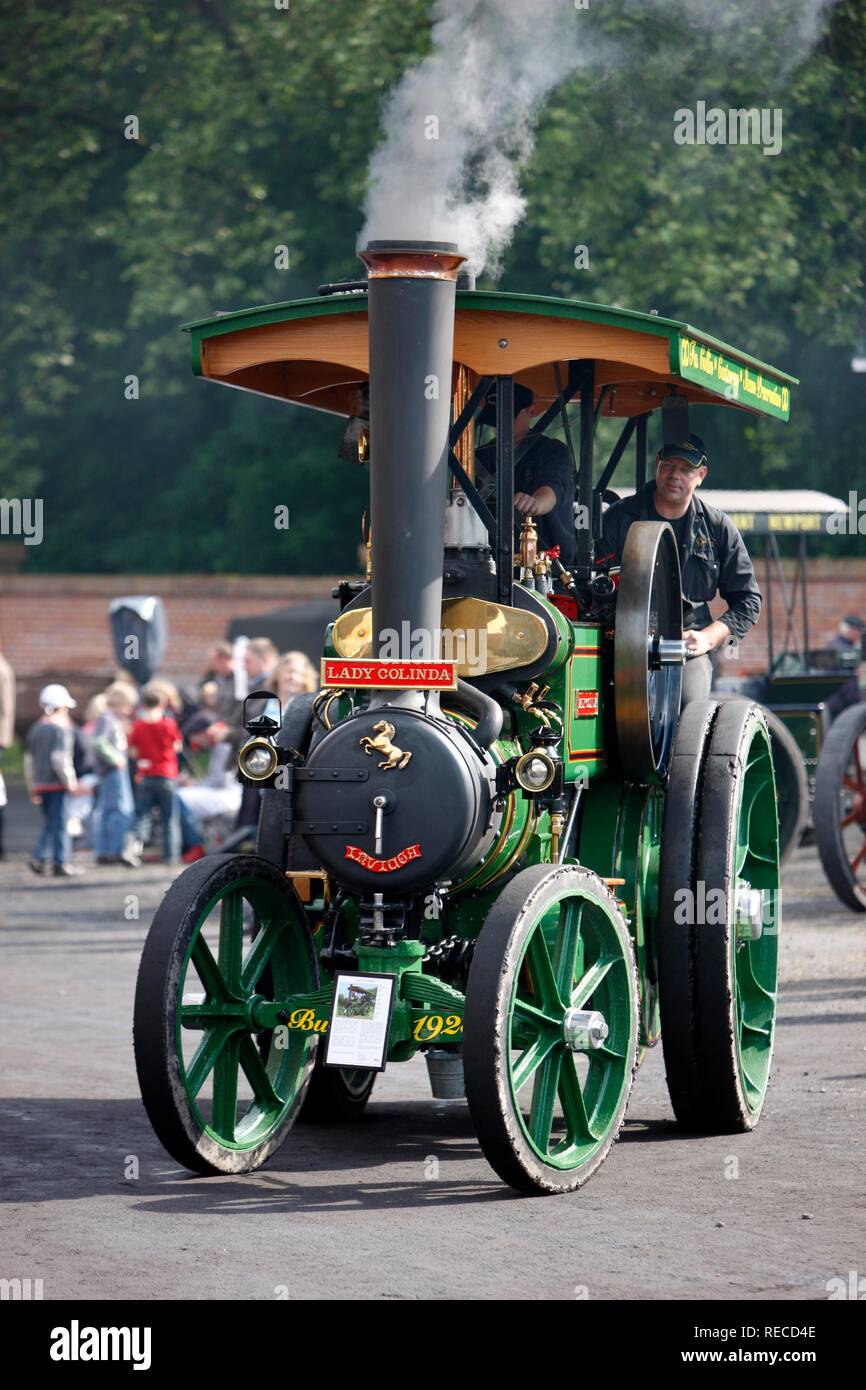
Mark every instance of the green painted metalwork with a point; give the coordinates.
(621, 838)
(755, 962)
(725, 372)
(401, 958)
(572, 958)
(228, 1017)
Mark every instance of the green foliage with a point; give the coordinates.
(256, 126)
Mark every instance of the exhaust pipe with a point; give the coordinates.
(411, 298)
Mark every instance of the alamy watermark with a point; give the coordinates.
(22, 516)
(467, 647)
(755, 911)
(737, 126)
(851, 522)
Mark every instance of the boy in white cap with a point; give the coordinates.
(50, 775)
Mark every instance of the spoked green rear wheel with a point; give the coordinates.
(719, 917)
(550, 1029)
(221, 1092)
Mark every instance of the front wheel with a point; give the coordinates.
(221, 1093)
(336, 1094)
(550, 1029)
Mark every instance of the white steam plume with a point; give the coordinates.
(460, 125)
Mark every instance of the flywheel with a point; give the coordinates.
(648, 651)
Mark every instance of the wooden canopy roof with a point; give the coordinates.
(314, 352)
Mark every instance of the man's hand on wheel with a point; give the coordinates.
(696, 643)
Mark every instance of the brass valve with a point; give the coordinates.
(528, 545)
(528, 702)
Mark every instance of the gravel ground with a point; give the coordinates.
(403, 1205)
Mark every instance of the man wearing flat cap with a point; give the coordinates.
(713, 556)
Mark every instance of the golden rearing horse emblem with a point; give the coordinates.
(394, 756)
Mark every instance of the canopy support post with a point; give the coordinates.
(585, 538)
(617, 452)
(769, 582)
(640, 452)
(504, 489)
(801, 565)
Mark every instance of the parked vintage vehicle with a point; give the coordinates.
(497, 842)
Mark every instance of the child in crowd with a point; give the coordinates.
(50, 776)
(115, 808)
(154, 743)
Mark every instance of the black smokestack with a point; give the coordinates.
(411, 332)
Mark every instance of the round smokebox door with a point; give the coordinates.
(430, 787)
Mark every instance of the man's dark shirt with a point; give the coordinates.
(713, 557)
(546, 463)
(841, 644)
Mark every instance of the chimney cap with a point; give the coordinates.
(423, 247)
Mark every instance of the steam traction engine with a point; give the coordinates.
(490, 837)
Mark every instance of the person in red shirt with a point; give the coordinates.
(154, 743)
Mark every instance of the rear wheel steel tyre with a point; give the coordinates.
(840, 807)
(792, 781)
(546, 1112)
(649, 609)
(220, 1093)
(719, 917)
(336, 1094)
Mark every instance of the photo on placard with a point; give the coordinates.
(356, 1001)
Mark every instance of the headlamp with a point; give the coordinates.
(257, 760)
(535, 771)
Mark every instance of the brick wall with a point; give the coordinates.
(55, 626)
(835, 588)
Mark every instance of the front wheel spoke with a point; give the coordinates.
(205, 1057)
(573, 1104)
(260, 953)
(541, 971)
(565, 948)
(532, 1057)
(530, 1014)
(257, 1076)
(225, 1087)
(209, 972)
(231, 942)
(544, 1099)
(209, 1014)
(589, 983)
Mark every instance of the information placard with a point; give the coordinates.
(360, 1021)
